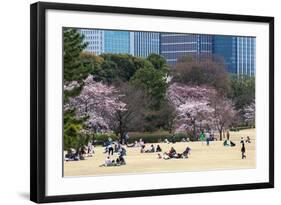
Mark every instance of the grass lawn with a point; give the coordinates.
(202, 157)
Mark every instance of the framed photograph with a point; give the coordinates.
(130, 102)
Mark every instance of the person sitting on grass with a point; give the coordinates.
(121, 160)
(228, 143)
(172, 153)
(152, 149)
(186, 152)
(166, 156)
(248, 140)
(80, 154)
(159, 156)
(70, 155)
(108, 162)
(166, 141)
(184, 139)
(158, 148)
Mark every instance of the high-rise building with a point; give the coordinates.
(95, 39)
(238, 53)
(117, 42)
(226, 48)
(146, 43)
(174, 46)
(246, 56)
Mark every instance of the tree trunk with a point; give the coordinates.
(194, 130)
(220, 131)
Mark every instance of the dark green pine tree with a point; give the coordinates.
(74, 70)
(73, 46)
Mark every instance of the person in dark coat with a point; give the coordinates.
(158, 149)
(243, 150)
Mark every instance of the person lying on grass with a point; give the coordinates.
(136, 144)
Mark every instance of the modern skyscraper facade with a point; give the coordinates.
(246, 56)
(95, 39)
(117, 42)
(226, 48)
(174, 46)
(238, 53)
(146, 43)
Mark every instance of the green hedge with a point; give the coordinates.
(236, 129)
(156, 137)
(146, 137)
(100, 138)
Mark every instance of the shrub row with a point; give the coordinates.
(154, 137)
(236, 129)
(146, 137)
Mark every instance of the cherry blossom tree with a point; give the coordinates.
(192, 107)
(250, 113)
(224, 113)
(200, 107)
(98, 102)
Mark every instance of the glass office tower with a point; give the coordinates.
(246, 56)
(174, 46)
(95, 39)
(117, 42)
(238, 53)
(146, 43)
(225, 47)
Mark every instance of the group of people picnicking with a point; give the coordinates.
(81, 153)
(112, 147)
(173, 154)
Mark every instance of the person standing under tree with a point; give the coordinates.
(202, 136)
(207, 136)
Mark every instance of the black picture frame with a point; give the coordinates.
(38, 101)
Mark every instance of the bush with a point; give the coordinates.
(156, 137)
(236, 129)
(146, 137)
(100, 138)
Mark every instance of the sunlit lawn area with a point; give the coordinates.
(202, 157)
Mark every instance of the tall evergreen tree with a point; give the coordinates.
(74, 70)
